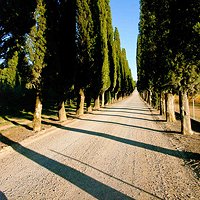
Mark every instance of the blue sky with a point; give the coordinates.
(125, 16)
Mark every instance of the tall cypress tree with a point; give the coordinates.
(118, 61)
(105, 71)
(36, 51)
(85, 49)
(111, 54)
(185, 53)
(174, 63)
(102, 79)
(16, 19)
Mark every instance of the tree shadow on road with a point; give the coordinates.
(104, 173)
(122, 116)
(88, 184)
(2, 196)
(129, 109)
(17, 123)
(162, 150)
(137, 113)
(111, 122)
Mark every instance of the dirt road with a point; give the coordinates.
(120, 152)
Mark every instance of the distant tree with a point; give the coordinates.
(8, 75)
(117, 44)
(15, 21)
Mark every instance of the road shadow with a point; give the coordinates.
(137, 113)
(162, 150)
(122, 116)
(17, 123)
(195, 125)
(123, 108)
(127, 125)
(2, 196)
(109, 175)
(88, 184)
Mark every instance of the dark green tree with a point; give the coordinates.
(184, 37)
(15, 21)
(36, 51)
(111, 56)
(117, 44)
(85, 48)
(61, 51)
(104, 66)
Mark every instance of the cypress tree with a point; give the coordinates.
(118, 61)
(68, 49)
(8, 75)
(111, 54)
(101, 61)
(36, 51)
(185, 53)
(105, 71)
(15, 21)
(85, 49)
(169, 36)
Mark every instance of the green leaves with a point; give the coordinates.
(36, 47)
(167, 53)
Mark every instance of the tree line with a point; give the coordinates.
(65, 48)
(168, 55)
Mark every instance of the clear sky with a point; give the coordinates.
(125, 16)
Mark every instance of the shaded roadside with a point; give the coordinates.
(183, 143)
(188, 145)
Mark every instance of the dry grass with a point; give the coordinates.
(195, 113)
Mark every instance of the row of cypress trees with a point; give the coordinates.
(65, 47)
(168, 55)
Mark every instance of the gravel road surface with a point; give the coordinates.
(120, 152)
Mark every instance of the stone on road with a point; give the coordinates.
(120, 152)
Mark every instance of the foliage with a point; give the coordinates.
(54, 47)
(167, 52)
(36, 48)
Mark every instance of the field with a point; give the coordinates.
(194, 111)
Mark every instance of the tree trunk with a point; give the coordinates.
(162, 104)
(180, 102)
(120, 98)
(88, 103)
(116, 96)
(80, 103)
(103, 99)
(96, 103)
(37, 117)
(185, 115)
(193, 109)
(146, 96)
(112, 97)
(149, 97)
(170, 113)
(108, 98)
(61, 111)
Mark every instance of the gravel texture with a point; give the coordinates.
(120, 152)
